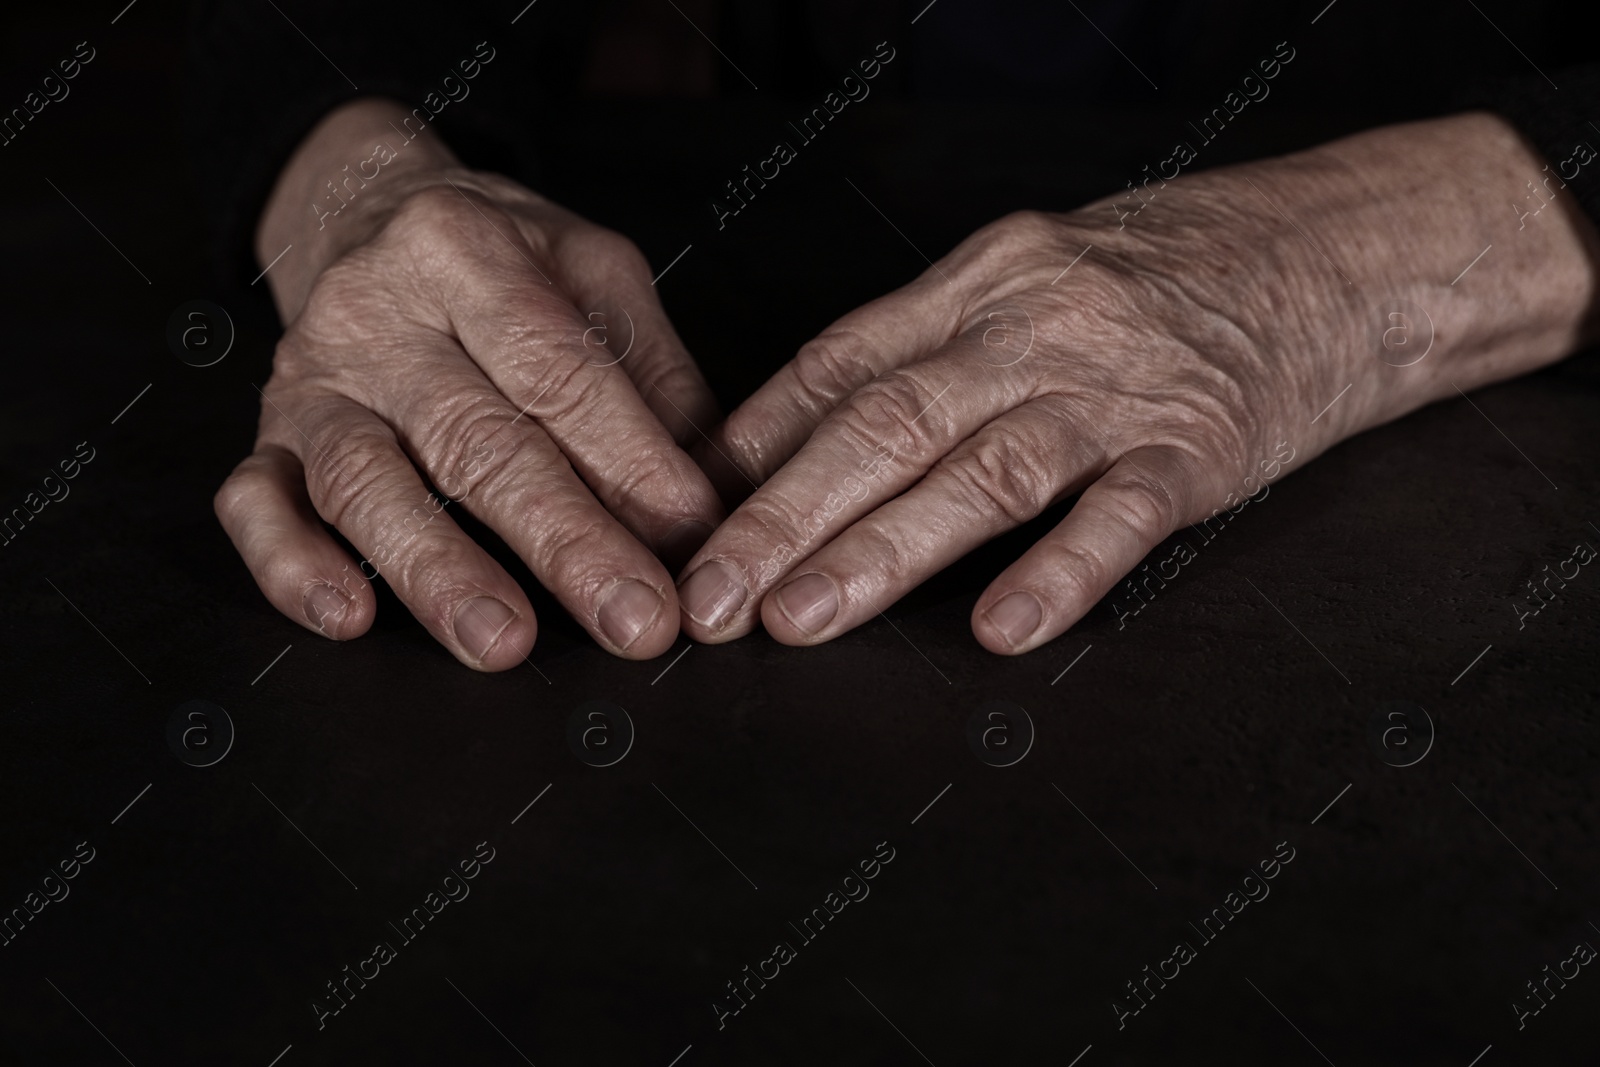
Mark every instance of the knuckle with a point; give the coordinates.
(675, 378)
(829, 368)
(999, 474)
(770, 519)
(465, 446)
(892, 558)
(430, 571)
(1204, 420)
(343, 488)
(1105, 302)
(1018, 232)
(577, 557)
(1025, 224)
(340, 291)
(280, 569)
(644, 475)
(349, 314)
(1146, 506)
(615, 250)
(444, 229)
(544, 358)
(436, 212)
(541, 325)
(237, 493)
(565, 387)
(891, 411)
(1080, 575)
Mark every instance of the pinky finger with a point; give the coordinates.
(1145, 496)
(264, 508)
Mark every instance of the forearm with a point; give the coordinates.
(345, 177)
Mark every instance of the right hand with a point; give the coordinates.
(452, 328)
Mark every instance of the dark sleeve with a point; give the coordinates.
(263, 72)
(1555, 115)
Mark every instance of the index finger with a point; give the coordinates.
(765, 431)
(874, 446)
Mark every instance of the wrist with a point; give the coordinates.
(1451, 259)
(348, 175)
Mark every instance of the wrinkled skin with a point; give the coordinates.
(456, 329)
(966, 403)
(1166, 365)
(477, 338)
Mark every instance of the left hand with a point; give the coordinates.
(1174, 370)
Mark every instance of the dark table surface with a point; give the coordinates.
(1227, 723)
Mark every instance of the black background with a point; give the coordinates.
(1207, 731)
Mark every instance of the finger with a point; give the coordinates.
(768, 428)
(264, 509)
(1145, 496)
(997, 479)
(508, 473)
(528, 338)
(873, 447)
(629, 329)
(358, 480)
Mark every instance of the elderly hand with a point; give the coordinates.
(1165, 356)
(453, 329)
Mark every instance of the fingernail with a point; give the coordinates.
(682, 542)
(323, 604)
(712, 593)
(627, 611)
(810, 602)
(479, 624)
(1016, 616)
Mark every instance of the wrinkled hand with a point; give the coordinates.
(1167, 366)
(469, 335)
